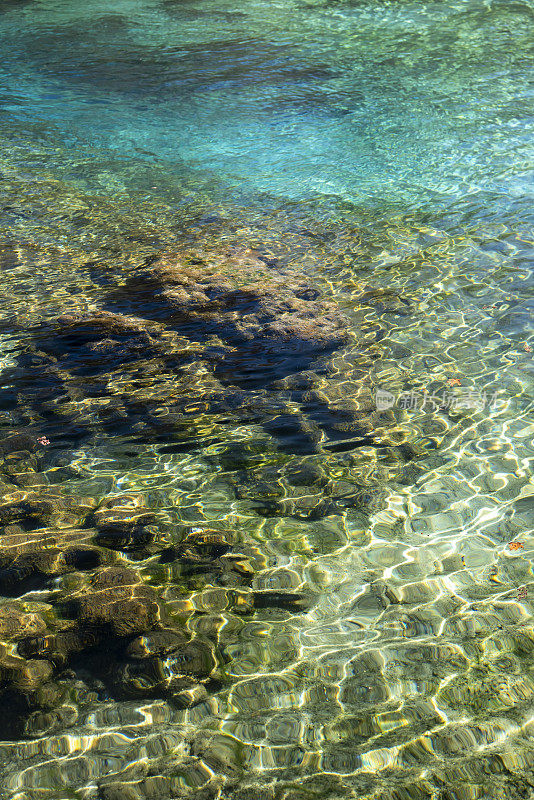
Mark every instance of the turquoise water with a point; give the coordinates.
(377, 146)
(417, 103)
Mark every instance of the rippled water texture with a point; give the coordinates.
(243, 561)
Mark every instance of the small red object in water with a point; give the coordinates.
(527, 348)
(454, 382)
(515, 546)
(43, 440)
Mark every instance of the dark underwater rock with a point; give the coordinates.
(24, 675)
(60, 647)
(124, 536)
(31, 696)
(236, 296)
(289, 601)
(153, 675)
(205, 544)
(124, 523)
(16, 443)
(17, 622)
(45, 723)
(208, 553)
(96, 340)
(42, 564)
(114, 604)
(44, 509)
(85, 372)
(35, 556)
(118, 602)
(116, 630)
(219, 332)
(231, 569)
(156, 643)
(128, 532)
(108, 609)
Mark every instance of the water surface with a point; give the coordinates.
(374, 145)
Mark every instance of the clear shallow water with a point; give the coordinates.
(371, 144)
(409, 102)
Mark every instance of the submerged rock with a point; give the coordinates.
(155, 676)
(98, 369)
(206, 543)
(117, 602)
(43, 509)
(275, 319)
(124, 523)
(156, 643)
(108, 609)
(18, 621)
(289, 601)
(193, 332)
(25, 675)
(45, 723)
(36, 556)
(239, 601)
(95, 341)
(60, 647)
(17, 443)
(26, 686)
(236, 295)
(113, 624)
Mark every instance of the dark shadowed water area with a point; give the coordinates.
(266, 429)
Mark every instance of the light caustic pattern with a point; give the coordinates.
(383, 147)
(413, 668)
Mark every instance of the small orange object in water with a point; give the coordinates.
(454, 382)
(527, 348)
(515, 546)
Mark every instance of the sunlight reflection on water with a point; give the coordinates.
(379, 147)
